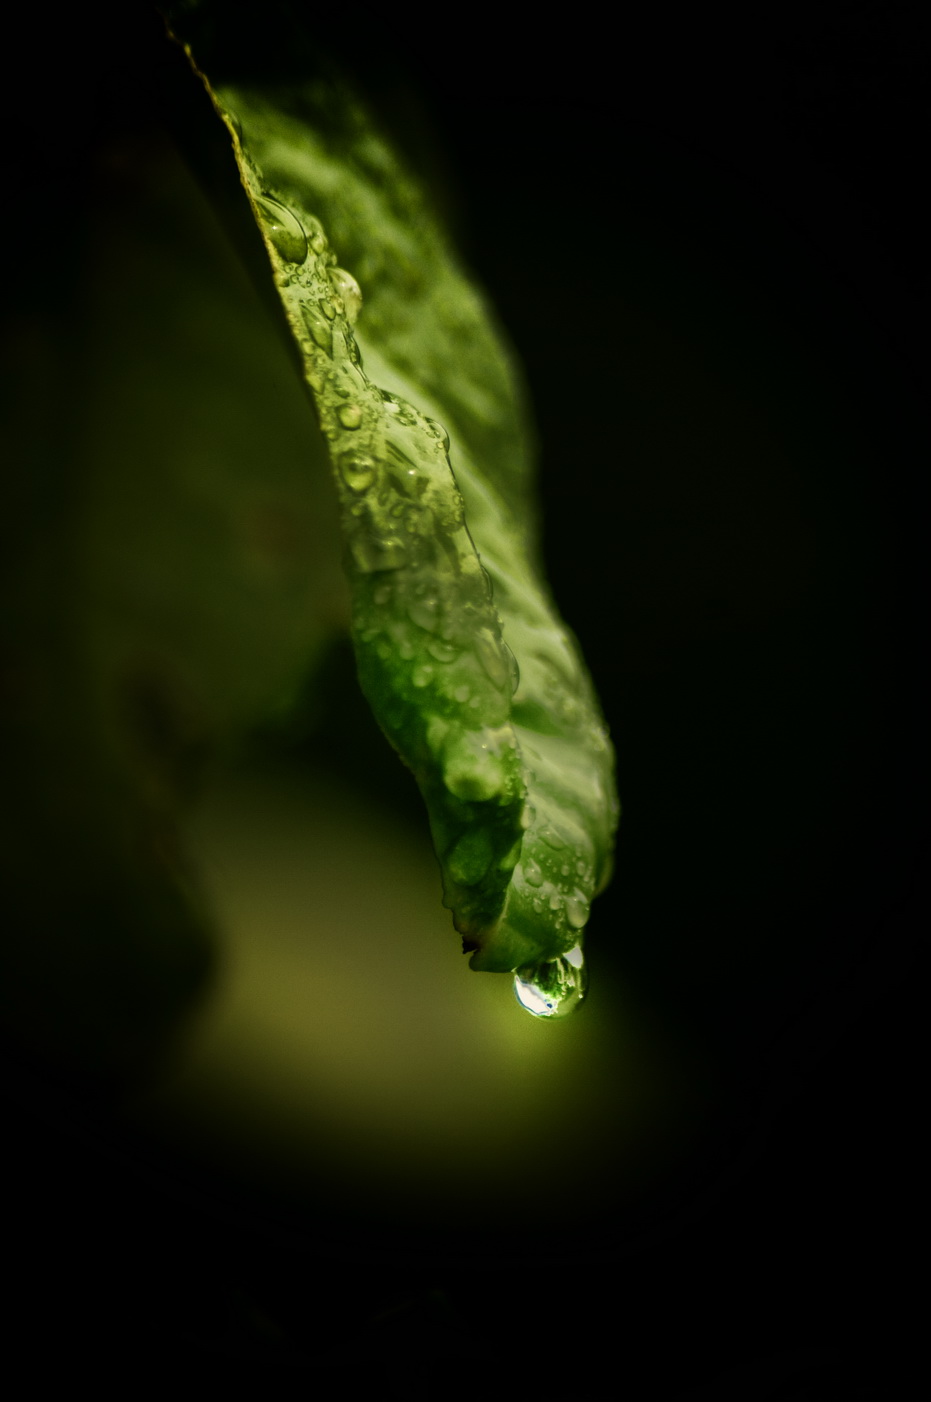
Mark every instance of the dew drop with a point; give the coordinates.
(283, 229)
(577, 910)
(349, 415)
(422, 675)
(357, 469)
(439, 432)
(461, 694)
(346, 287)
(491, 657)
(423, 612)
(442, 650)
(532, 873)
(555, 903)
(352, 349)
(315, 235)
(551, 837)
(371, 553)
(554, 987)
(320, 333)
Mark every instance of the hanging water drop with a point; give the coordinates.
(346, 288)
(349, 415)
(283, 229)
(554, 987)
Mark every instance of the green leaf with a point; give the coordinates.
(469, 670)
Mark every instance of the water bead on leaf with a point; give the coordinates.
(357, 469)
(321, 333)
(348, 290)
(532, 873)
(283, 229)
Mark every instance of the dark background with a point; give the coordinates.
(704, 242)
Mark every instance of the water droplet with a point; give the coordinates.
(315, 235)
(461, 694)
(422, 675)
(283, 229)
(554, 987)
(577, 909)
(441, 650)
(493, 661)
(439, 432)
(320, 333)
(555, 903)
(357, 469)
(352, 348)
(329, 311)
(551, 837)
(349, 415)
(532, 873)
(423, 612)
(371, 553)
(527, 816)
(346, 287)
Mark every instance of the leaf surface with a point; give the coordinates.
(469, 670)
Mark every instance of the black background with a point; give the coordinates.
(704, 240)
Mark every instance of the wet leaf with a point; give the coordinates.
(469, 670)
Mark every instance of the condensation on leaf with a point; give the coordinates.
(469, 671)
